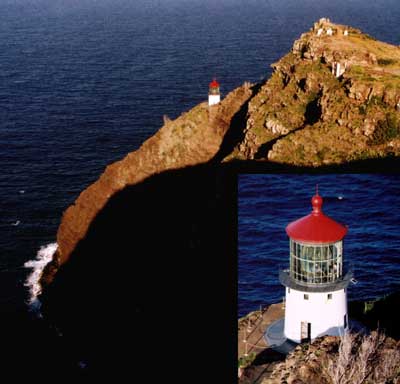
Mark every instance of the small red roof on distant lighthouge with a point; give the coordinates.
(214, 83)
(316, 227)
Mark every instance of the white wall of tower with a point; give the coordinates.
(213, 99)
(325, 315)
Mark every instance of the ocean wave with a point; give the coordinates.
(43, 257)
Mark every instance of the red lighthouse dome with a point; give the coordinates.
(316, 227)
(214, 84)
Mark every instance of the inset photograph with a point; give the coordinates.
(318, 262)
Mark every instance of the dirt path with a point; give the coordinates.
(251, 339)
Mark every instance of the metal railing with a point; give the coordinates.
(288, 281)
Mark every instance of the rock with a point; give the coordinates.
(275, 127)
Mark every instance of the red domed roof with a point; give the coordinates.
(316, 227)
(214, 84)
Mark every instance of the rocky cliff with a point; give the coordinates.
(334, 98)
(194, 138)
(309, 113)
(148, 247)
(142, 257)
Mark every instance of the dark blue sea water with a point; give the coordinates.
(368, 203)
(84, 82)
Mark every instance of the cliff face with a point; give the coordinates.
(148, 240)
(194, 138)
(140, 263)
(312, 113)
(309, 113)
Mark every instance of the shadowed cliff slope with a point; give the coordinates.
(150, 271)
(142, 253)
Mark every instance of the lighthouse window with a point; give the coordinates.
(316, 264)
(317, 253)
(305, 296)
(329, 296)
(325, 253)
(310, 253)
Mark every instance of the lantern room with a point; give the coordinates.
(316, 247)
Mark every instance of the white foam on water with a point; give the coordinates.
(43, 257)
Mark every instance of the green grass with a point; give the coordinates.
(385, 130)
(384, 61)
(246, 361)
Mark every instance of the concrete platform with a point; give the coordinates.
(276, 340)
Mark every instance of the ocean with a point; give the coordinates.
(83, 83)
(368, 203)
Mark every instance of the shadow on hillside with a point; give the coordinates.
(152, 285)
(380, 314)
(382, 165)
(235, 133)
(268, 355)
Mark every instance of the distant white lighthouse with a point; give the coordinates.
(316, 290)
(214, 96)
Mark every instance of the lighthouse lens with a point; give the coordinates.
(315, 264)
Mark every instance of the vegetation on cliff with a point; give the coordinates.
(311, 113)
(352, 359)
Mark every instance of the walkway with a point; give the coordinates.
(253, 332)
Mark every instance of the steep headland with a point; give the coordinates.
(334, 98)
(194, 138)
(146, 253)
(309, 113)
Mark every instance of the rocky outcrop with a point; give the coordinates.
(325, 100)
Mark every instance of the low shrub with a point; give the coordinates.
(385, 130)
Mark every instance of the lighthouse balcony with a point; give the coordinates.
(309, 286)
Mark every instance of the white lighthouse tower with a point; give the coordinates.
(214, 96)
(316, 297)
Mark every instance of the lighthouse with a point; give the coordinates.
(214, 96)
(316, 287)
